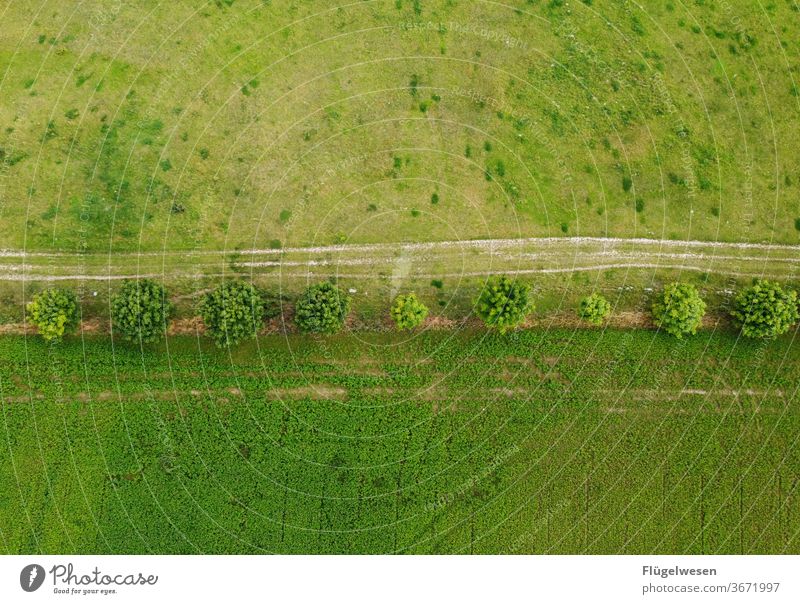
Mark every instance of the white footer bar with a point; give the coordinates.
(406, 580)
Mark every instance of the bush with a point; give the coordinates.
(322, 309)
(679, 309)
(54, 312)
(594, 309)
(232, 312)
(141, 310)
(408, 312)
(503, 303)
(765, 310)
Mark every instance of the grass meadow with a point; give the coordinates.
(150, 125)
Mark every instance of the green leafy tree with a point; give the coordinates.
(765, 310)
(408, 312)
(594, 309)
(232, 312)
(503, 303)
(679, 309)
(54, 312)
(140, 311)
(322, 309)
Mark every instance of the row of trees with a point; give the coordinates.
(763, 310)
(234, 311)
(141, 310)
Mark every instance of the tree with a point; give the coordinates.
(54, 312)
(503, 303)
(408, 312)
(140, 311)
(594, 309)
(765, 310)
(679, 309)
(232, 312)
(322, 309)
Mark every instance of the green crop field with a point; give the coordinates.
(557, 442)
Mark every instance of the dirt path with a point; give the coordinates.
(561, 320)
(549, 255)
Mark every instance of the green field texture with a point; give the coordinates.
(539, 442)
(256, 123)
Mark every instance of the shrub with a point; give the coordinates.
(54, 312)
(322, 309)
(141, 310)
(408, 312)
(232, 312)
(503, 303)
(679, 309)
(594, 309)
(765, 310)
(627, 183)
